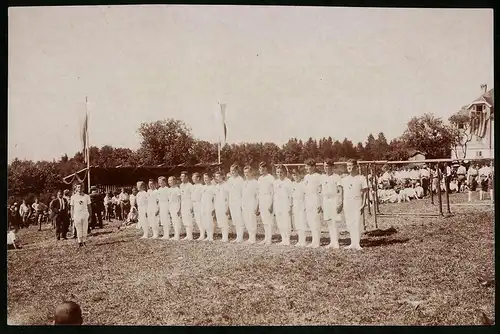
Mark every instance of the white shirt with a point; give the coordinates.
(235, 188)
(329, 184)
(448, 171)
(11, 238)
(265, 185)
(353, 186)
(174, 195)
(221, 196)
(23, 209)
(282, 194)
(485, 171)
(196, 192)
(186, 189)
(142, 199)
(152, 199)
(424, 173)
(207, 198)
(386, 176)
(80, 203)
(461, 170)
(472, 171)
(123, 197)
(414, 174)
(249, 194)
(107, 200)
(132, 198)
(163, 194)
(298, 194)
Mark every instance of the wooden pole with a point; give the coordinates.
(431, 180)
(369, 190)
(447, 188)
(440, 200)
(88, 146)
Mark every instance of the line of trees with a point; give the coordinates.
(171, 142)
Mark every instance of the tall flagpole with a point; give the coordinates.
(88, 145)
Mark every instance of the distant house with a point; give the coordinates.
(415, 155)
(480, 130)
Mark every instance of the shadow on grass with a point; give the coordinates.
(113, 242)
(94, 234)
(381, 233)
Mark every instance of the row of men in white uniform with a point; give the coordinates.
(301, 201)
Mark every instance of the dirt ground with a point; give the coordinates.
(412, 271)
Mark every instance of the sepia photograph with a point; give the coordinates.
(229, 165)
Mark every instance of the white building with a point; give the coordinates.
(480, 130)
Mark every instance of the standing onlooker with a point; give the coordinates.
(96, 208)
(461, 175)
(14, 217)
(52, 216)
(472, 180)
(24, 212)
(38, 209)
(123, 199)
(424, 179)
(108, 206)
(59, 207)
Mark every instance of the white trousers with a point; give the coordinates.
(284, 222)
(176, 220)
(81, 221)
(187, 215)
(197, 217)
(220, 214)
(165, 218)
(142, 218)
(207, 221)
(352, 213)
(250, 219)
(313, 221)
(153, 223)
(299, 217)
(265, 215)
(236, 215)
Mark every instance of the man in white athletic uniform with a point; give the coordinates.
(282, 204)
(312, 183)
(235, 190)
(221, 204)
(142, 207)
(186, 205)
(196, 202)
(250, 203)
(174, 206)
(329, 189)
(80, 211)
(299, 207)
(207, 208)
(354, 189)
(152, 211)
(163, 193)
(266, 195)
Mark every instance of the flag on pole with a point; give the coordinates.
(223, 115)
(84, 136)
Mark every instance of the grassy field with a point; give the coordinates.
(412, 271)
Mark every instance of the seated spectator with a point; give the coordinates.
(409, 193)
(419, 190)
(12, 241)
(68, 313)
(454, 185)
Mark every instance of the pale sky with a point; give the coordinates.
(283, 71)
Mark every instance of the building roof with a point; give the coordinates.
(487, 97)
(130, 175)
(412, 152)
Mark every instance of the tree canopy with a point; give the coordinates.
(171, 142)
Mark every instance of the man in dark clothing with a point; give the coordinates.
(59, 208)
(96, 204)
